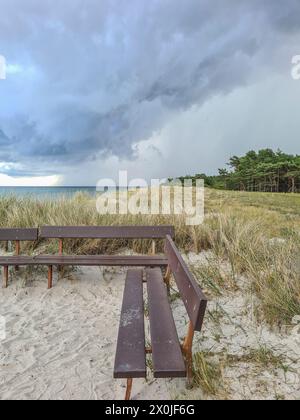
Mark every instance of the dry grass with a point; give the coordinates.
(207, 375)
(239, 230)
(209, 367)
(262, 356)
(271, 265)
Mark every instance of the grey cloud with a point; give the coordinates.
(19, 173)
(4, 140)
(98, 77)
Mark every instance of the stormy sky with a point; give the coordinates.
(159, 88)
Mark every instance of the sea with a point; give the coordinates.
(45, 192)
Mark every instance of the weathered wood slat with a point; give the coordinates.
(86, 260)
(168, 361)
(18, 234)
(107, 232)
(130, 359)
(194, 299)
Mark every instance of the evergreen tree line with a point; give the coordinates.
(263, 171)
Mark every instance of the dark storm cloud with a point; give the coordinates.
(94, 77)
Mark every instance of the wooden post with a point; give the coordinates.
(50, 276)
(153, 248)
(5, 282)
(187, 349)
(17, 252)
(167, 278)
(6, 246)
(60, 252)
(128, 389)
(61, 247)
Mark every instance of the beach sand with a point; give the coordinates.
(60, 343)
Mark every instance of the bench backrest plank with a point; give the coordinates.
(18, 234)
(194, 299)
(106, 232)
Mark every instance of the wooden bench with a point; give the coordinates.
(170, 358)
(84, 232)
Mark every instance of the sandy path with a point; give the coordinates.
(60, 344)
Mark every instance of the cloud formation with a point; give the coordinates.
(88, 81)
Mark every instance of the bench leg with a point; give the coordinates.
(167, 279)
(189, 366)
(17, 253)
(153, 248)
(5, 280)
(187, 349)
(128, 389)
(50, 276)
(60, 252)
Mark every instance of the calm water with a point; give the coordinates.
(45, 192)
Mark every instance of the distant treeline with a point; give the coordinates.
(264, 171)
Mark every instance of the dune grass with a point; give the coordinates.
(256, 234)
(207, 375)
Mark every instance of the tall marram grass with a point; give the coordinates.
(272, 265)
(257, 234)
(81, 211)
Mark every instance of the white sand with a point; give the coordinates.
(60, 344)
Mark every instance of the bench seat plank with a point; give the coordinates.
(86, 260)
(131, 355)
(168, 361)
